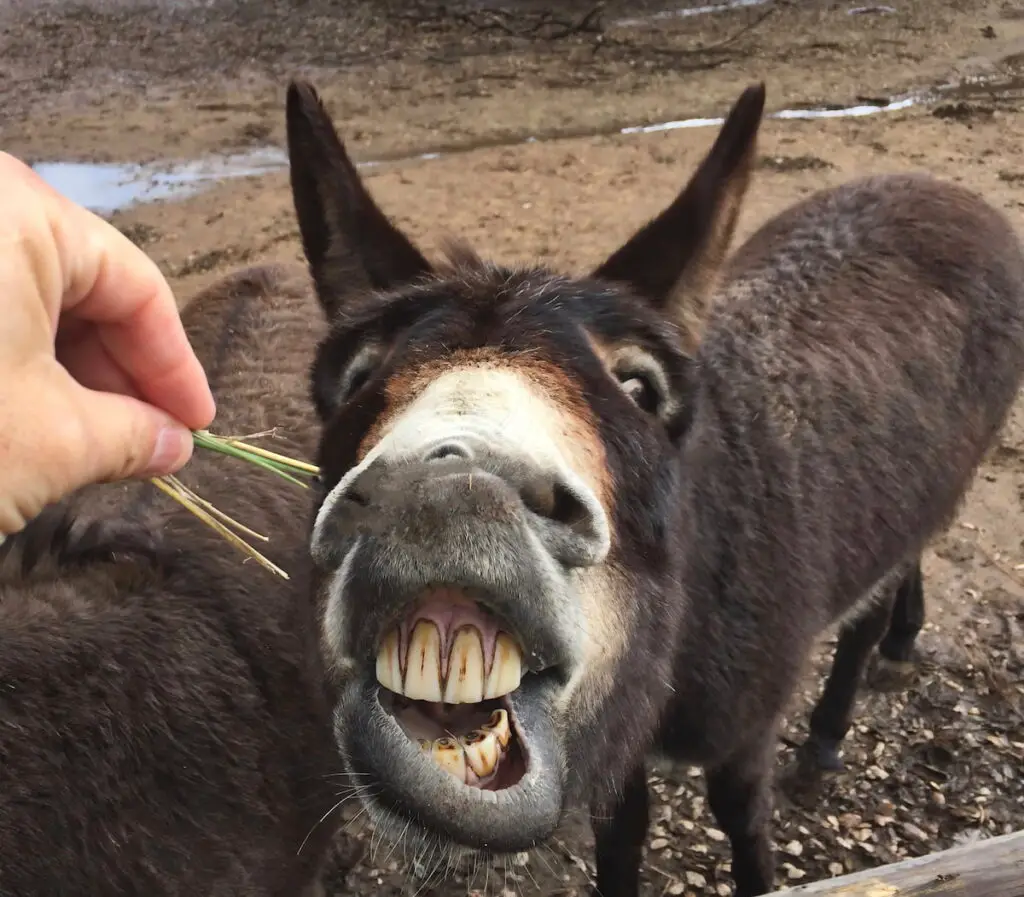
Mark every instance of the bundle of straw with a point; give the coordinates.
(217, 520)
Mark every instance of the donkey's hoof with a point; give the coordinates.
(822, 755)
(815, 761)
(801, 785)
(890, 675)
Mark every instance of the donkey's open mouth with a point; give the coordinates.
(452, 730)
(448, 669)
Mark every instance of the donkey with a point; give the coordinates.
(164, 728)
(564, 521)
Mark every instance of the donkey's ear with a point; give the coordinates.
(673, 261)
(348, 241)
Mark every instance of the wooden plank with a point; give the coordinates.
(990, 868)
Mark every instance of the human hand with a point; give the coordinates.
(98, 381)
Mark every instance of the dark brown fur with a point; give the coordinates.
(824, 402)
(163, 729)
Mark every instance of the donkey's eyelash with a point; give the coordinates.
(358, 371)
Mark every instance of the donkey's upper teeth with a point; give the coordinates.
(465, 683)
(465, 679)
(506, 668)
(422, 664)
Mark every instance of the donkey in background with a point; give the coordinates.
(565, 521)
(163, 724)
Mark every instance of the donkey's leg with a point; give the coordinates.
(619, 834)
(740, 797)
(893, 665)
(832, 715)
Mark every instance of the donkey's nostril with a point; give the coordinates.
(448, 450)
(574, 529)
(554, 501)
(568, 508)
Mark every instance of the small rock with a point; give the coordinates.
(716, 834)
(792, 872)
(695, 880)
(836, 868)
(955, 550)
(794, 848)
(914, 831)
(676, 888)
(659, 843)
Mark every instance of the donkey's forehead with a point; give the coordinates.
(486, 304)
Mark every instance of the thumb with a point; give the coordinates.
(127, 438)
(61, 436)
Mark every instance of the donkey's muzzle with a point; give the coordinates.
(456, 488)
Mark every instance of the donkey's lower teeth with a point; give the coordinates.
(465, 671)
(474, 758)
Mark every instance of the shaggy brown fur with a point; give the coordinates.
(778, 448)
(163, 729)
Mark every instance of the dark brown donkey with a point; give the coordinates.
(565, 521)
(163, 725)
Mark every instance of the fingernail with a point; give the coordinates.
(173, 448)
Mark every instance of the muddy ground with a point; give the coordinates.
(129, 80)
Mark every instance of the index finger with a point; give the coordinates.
(110, 282)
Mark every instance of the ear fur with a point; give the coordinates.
(674, 260)
(348, 241)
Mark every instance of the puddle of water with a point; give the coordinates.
(688, 12)
(105, 189)
(108, 188)
(842, 112)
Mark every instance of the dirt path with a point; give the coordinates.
(123, 80)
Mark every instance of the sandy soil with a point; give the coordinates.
(126, 80)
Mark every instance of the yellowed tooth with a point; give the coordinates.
(465, 683)
(498, 725)
(448, 754)
(389, 669)
(507, 668)
(423, 663)
(483, 752)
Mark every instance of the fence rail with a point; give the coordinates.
(990, 868)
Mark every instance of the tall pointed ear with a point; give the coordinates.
(348, 241)
(674, 260)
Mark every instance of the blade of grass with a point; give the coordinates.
(204, 440)
(216, 525)
(290, 463)
(213, 509)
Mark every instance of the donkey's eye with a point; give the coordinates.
(358, 373)
(641, 389)
(358, 380)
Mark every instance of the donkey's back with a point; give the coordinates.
(870, 339)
